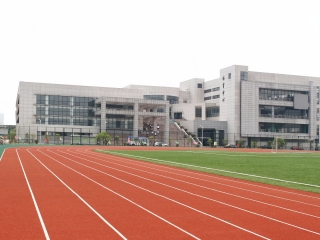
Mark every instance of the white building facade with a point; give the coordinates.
(240, 105)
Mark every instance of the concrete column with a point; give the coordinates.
(203, 110)
(103, 115)
(136, 118)
(166, 125)
(312, 110)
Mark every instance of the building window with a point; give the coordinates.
(207, 98)
(278, 94)
(198, 112)
(216, 89)
(41, 110)
(41, 99)
(153, 97)
(177, 115)
(283, 127)
(115, 121)
(172, 99)
(207, 90)
(199, 85)
(216, 96)
(244, 76)
(212, 111)
(229, 75)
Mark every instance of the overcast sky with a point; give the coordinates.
(159, 43)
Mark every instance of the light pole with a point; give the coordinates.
(40, 130)
(202, 135)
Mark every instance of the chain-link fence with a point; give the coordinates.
(87, 136)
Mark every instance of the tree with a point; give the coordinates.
(33, 137)
(136, 140)
(254, 144)
(210, 142)
(116, 139)
(103, 138)
(281, 143)
(12, 135)
(151, 138)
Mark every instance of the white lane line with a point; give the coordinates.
(147, 166)
(167, 198)
(211, 176)
(118, 194)
(213, 169)
(253, 154)
(207, 188)
(2, 154)
(210, 199)
(34, 200)
(87, 204)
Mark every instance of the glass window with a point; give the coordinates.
(41, 99)
(207, 90)
(212, 111)
(177, 115)
(277, 94)
(172, 99)
(216, 89)
(229, 75)
(198, 112)
(215, 96)
(199, 85)
(207, 98)
(153, 97)
(244, 76)
(41, 110)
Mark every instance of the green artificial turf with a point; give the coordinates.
(301, 170)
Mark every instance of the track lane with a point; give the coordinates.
(285, 192)
(132, 221)
(198, 178)
(64, 214)
(279, 215)
(18, 218)
(202, 224)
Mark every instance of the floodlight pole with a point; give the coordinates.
(202, 135)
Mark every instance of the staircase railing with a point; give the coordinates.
(186, 134)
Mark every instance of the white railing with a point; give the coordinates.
(186, 134)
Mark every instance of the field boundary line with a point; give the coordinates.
(34, 200)
(207, 188)
(183, 172)
(214, 169)
(233, 180)
(87, 204)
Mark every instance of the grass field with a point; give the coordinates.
(294, 170)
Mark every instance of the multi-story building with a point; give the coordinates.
(239, 105)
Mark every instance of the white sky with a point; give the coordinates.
(161, 43)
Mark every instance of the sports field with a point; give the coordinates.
(294, 169)
(74, 192)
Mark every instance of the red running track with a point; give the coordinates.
(74, 193)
